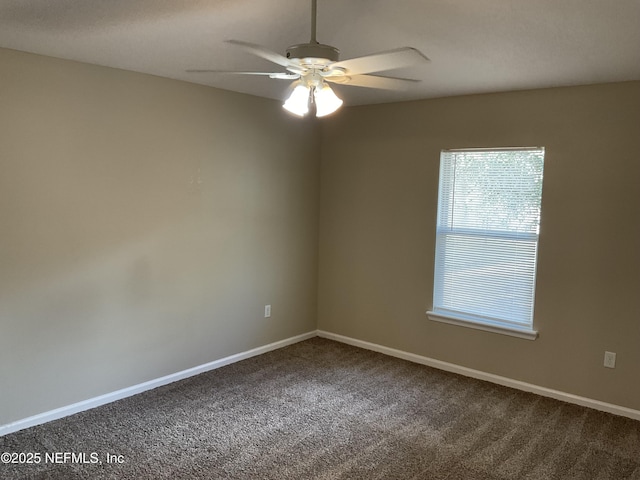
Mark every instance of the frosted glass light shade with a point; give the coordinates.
(326, 101)
(298, 101)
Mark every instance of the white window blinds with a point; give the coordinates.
(487, 235)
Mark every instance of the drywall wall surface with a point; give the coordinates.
(145, 224)
(379, 182)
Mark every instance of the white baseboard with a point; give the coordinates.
(142, 387)
(468, 372)
(449, 367)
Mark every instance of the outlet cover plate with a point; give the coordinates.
(610, 359)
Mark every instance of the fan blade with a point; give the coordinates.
(373, 81)
(378, 62)
(265, 53)
(279, 75)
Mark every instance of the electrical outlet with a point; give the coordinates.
(610, 359)
(267, 311)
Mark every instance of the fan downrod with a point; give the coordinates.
(313, 53)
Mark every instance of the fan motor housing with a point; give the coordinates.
(313, 52)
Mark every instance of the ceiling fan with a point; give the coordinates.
(311, 65)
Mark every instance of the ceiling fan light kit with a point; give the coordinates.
(311, 65)
(311, 90)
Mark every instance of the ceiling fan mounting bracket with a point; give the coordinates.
(313, 51)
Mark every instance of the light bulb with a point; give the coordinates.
(326, 101)
(298, 101)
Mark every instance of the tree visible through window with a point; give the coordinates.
(487, 236)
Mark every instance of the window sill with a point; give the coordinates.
(496, 328)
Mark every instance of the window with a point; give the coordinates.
(487, 239)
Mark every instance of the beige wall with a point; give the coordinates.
(116, 266)
(379, 180)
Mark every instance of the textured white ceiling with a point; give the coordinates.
(475, 46)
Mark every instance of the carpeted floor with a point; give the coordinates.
(323, 410)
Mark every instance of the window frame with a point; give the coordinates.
(444, 315)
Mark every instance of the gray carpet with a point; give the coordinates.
(323, 410)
